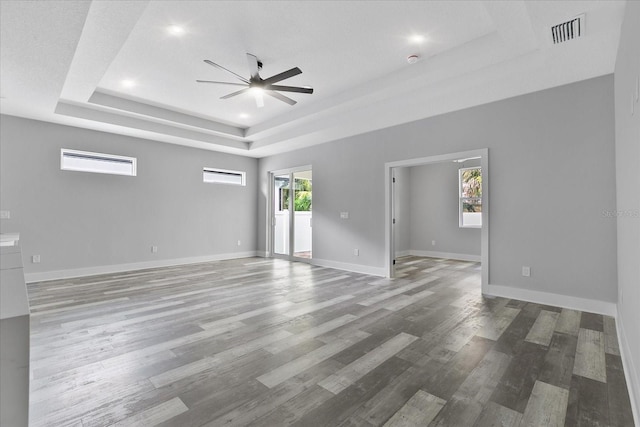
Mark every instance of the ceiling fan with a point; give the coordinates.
(259, 86)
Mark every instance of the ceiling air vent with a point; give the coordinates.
(566, 31)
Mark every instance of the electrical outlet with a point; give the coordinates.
(35, 259)
(356, 252)
(239, 242)
(154, 249)
(433, 243)
(5, 214)
(526, 271)
(344, 215)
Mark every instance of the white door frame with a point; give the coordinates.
(271, 215)
(483, 153)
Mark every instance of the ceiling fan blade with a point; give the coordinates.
(234, 93)
(290, 89)
(228, 71)
(221, 83)
(282, 76)
(281, 97)
(253, 66)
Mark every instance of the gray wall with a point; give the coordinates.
(402, 212)
(80, 220)
(627, 73)
(434, 210)
(551, 160)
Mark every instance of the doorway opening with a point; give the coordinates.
(291, 214)
(481, 206)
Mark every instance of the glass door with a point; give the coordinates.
(280, 235)
(302, 222)
(291, 214)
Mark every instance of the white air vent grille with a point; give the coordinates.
(569, 30)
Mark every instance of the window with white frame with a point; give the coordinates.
(470, 197)
(84, 161)
(223, 176)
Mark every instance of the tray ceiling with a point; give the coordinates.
(121, 66)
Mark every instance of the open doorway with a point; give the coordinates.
(471, 214)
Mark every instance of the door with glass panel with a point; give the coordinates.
(291, 214)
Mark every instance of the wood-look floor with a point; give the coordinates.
(271, 343)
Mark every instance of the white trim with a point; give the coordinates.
(400, 254)
(483, 154)
(354, 268)
(119, 268)
(630, 370)
(556, 300)
(447, 255)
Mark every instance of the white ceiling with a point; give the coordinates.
(65, 61)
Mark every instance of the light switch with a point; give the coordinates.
(344, 215)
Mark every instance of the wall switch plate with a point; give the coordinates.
(344, 215)
(239, 242)
(5, 214)
(35, 259)
(154, 249)
(433, 243)
(526, 271)
(356, 252)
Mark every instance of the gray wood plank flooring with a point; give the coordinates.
(267, 342)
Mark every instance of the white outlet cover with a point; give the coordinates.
(526, 271)
(344, 215)
(5, 214)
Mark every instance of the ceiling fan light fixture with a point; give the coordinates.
(259, 86)
(175, 30)
(417, 39)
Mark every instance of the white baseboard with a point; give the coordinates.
(575, 303)
(447, 255)
(400, 254)
(118, 268)
(630, 370)
(355, 268)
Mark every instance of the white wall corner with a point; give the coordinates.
(547, 298)
(630, 370)
(119, 268)
(354, 268)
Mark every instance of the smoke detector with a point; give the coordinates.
(412, 59)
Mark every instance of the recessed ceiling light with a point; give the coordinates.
(243, 115)
(175, 30)
(417, 39)
(128, 83)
